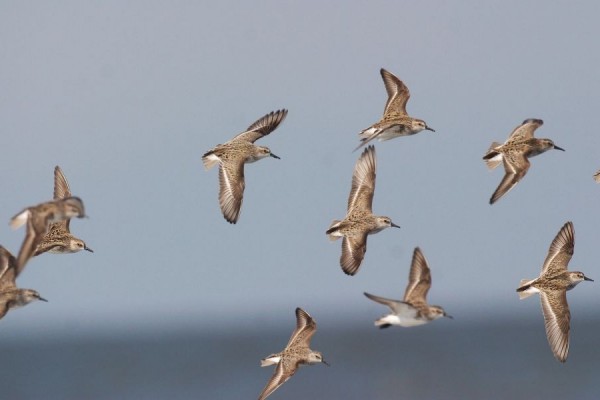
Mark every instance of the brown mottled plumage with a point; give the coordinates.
(231, 157)
(296, 353)
(514, 153)
(10, 295)
(395, 121)
(552, 285)
(59, 239)
(39, 218)
(359, 221)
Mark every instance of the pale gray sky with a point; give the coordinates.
(127, 96)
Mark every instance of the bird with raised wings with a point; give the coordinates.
(359, 221)
(39, 218)
(296, 353)
(231, 157)
(515, 154)
(413, 309)
(395, 121)
(552, 285)
(59, 239)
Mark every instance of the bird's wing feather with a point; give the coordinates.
(305, 329)
(397, 306)
(556, 318)
(36, 230)
(398, 94)
(353, 252)
(516, 166)
(231, 189)
(7, 270)
(61, 191)
(280, 376)
(363, 181)
(263, 126)
(560, 251)
(526, 129)
(419, 279)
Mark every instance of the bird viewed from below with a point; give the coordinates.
(515, 153)
(231, 157)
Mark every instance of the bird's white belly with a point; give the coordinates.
(393, 132)
(404, 321)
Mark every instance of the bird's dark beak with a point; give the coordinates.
(87, 248)
(448, 316)
(585, 278)
(558, 148)
(42, 299)
(430, 129)
(394, 225)
(326, 363)
(274, 156)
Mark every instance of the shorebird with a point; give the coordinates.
(359, 221)
(59, 240)
(514, 153)
(10, 296)
(231, 157)
(39, 218)
(413, 309)
(296, 353)
(597, 176)
(552, 285)
(395, 121)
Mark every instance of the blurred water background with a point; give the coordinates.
(502, 359)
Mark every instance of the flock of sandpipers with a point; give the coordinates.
(48, 229)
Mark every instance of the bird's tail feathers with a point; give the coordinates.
(19, 219)
(492, 157)
(209, 160)
(331, 230)
(525, 290)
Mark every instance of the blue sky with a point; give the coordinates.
(127, 96)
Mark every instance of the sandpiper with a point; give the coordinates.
(231, 157)
(597, 176)
(296, 353)
(38, 220)
(514, 153)
(552, 285)
(395, 121)
(413, 309)
(359, 221)
(10, 296)
(59, 239)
